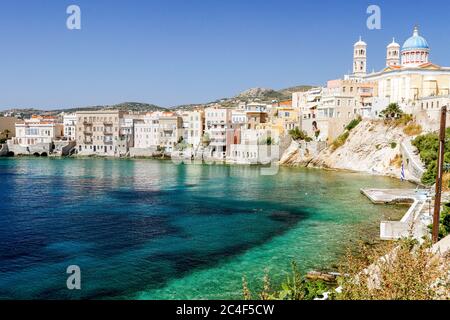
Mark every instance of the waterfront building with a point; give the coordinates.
(253, 147)
(70, 126)
(36, 134)
(170, 130)
(193, 127)
(217, 122)
(146, 132)
(98, 132)
(127, 132)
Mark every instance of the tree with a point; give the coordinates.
(392, 111)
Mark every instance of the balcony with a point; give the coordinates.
(88, 133)
(87, 123)
(107, 133)
(108, 123)
(87, 141)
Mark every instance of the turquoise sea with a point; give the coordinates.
(148, 229)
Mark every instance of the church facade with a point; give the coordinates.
(409, 77)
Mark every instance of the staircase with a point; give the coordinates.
(412, 160)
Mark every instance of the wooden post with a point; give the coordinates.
(440, 167)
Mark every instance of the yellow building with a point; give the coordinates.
(284, 117)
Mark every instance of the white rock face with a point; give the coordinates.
(371, 147)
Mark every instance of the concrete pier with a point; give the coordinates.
(414, 222)
(391, 196)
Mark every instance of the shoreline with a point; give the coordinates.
(212, 162)
(316, 224)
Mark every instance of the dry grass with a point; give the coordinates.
(397, 161)
(407, 271)
(445, 182)
(340, 141)
(412, 129)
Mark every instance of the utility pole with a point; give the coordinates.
(440, 167)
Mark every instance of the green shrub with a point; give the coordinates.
(298, 134)
(353, 124)
(296, 287)
(444, 222)
(428, 145)
(393, 145)
(340, 141)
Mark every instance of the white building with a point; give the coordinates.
(253, 147)
(70, 126)
(37, 133)
(193, 127)
(254, 107)
(238, 116)
(146, 132)
(217, 122)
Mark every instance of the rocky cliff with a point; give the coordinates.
(372, 147)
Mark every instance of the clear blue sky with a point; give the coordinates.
(171, 52)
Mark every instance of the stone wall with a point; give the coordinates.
(3, 150)
(39, 148)
(143, 152)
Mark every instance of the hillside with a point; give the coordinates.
(125, 106)
(372, 147)
(252, 94)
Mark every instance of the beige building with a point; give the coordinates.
(170, 130)
(98, 132)
(7, 127)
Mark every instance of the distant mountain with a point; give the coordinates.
(125, 106)
(253, 94)
(260, 93)
(266, 95)
(289, 91)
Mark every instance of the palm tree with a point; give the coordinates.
(392, 111)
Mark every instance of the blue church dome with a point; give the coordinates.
(415, 42)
